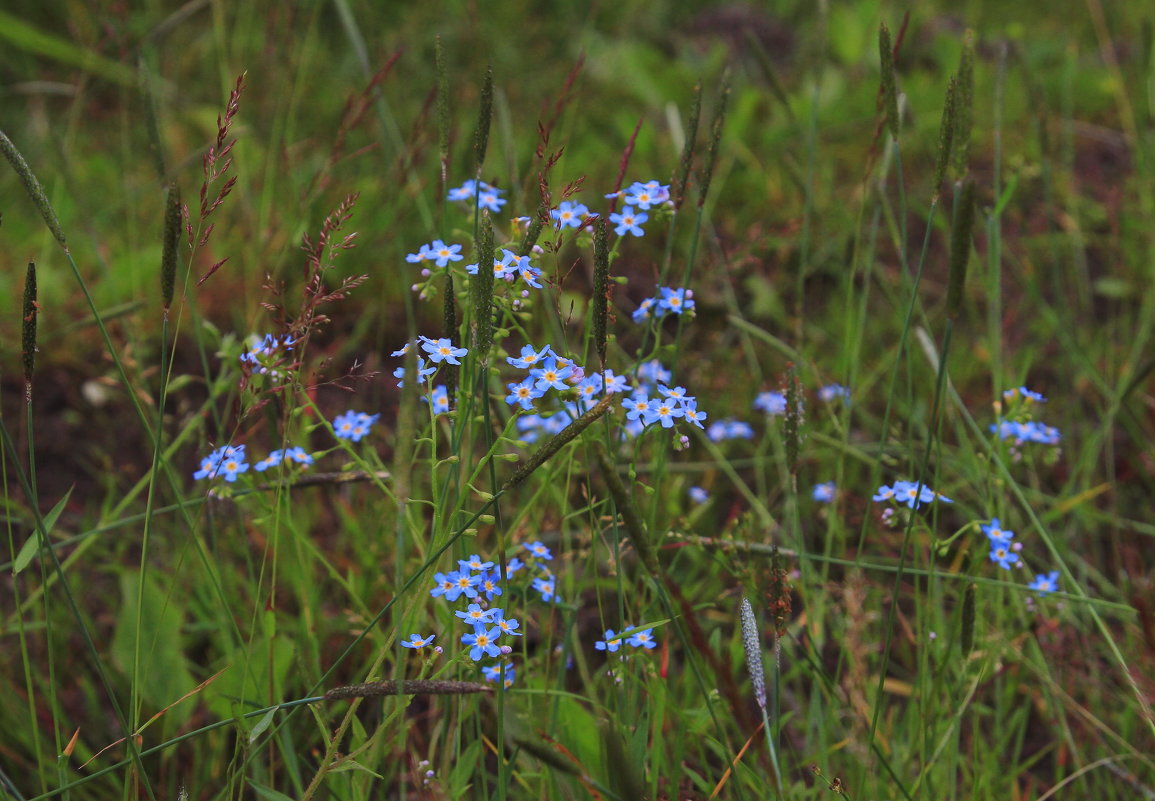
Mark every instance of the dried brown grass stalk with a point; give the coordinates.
(215, 165)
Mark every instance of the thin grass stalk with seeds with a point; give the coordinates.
(960, 247)
(481, 298)
(33, 188)
(964, 113)
(752, 644)
(30, 309)
(58, 571)
(680, 179)
(555, 443)
(956, 112)
(170, 246)
(636, 528)
(216, 164)
(356, 643)
(151, 118)
(600, 298)
(889, 84)
(705, 178)
(682, 175)
(28, 481)
(29, 316)
(169, 255)
(947, 127)
(945, 141)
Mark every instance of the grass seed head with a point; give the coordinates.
(752, 643)
(889, 82)
(172, 229)
(32, 187)
(964, 107)
(945, 138)
(28, 328)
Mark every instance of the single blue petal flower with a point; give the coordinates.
(642, 639)
(824, 493)
(416, 641)
(1045, 583)
(629, 222)
(611, 643)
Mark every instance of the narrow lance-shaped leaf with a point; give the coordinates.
(622, 772)
(543, 752)
(967, 633)
(34, 542)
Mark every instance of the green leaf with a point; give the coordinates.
(268, 793)
(1005, 198)
(350, 764)
(581, 735)
(466, 763)
(164, 675)
(31, 546)
(262, 724)
(249, 675)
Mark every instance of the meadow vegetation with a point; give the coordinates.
(658, 400)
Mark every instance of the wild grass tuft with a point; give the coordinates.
(456, 495)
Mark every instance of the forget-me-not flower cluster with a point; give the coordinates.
(507, 266)
(479, 193)
(437, 252)
(294, 455)
(1017, 424)
(667, 301)
(478, 581)
(353, 425)
(227, 461)
(1004, 552)
(909, 494)
(612, 641)
(652, 401)
(569, 214)
(262, 350)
